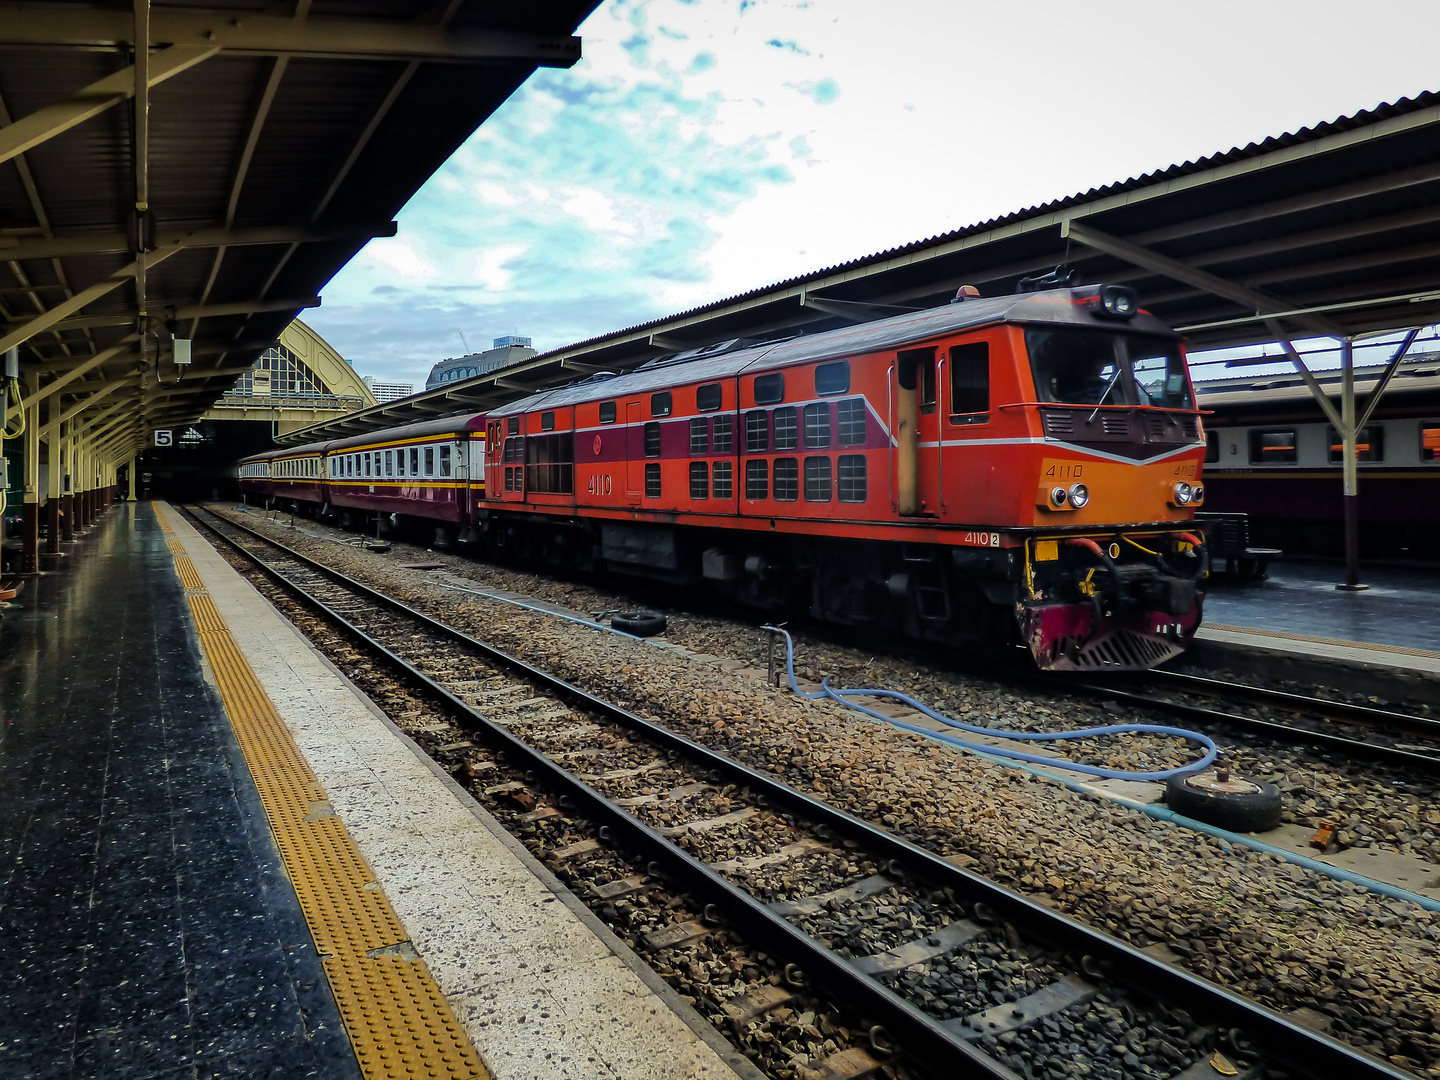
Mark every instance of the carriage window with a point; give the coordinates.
(1430, 440)
(757, 432)
(817, 426)
(785, 435)
(607, 412)
(699, 480)
(1212, 447)
(660, 404)
(414, 462)
(1369, 444)
(652, 439)
(512, 425)
(850, 415)
(722, 480)
(547, 421)
(707, 397)
(769, 389)
(1272, 447)
(851, 478)
(444, 461)
(389, 463)
(366, 459)
(757, 479)
(429, 461)
(969, 383)
(399, 462)
(787, 479)
(832, 378)
(817, 479)
(722, 438)
(652, 480)
(699, 435)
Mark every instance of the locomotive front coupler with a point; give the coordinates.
(1144, 584)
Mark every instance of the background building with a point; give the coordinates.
(388, 391)
(506, 351)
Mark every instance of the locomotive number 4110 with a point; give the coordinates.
(600, 484)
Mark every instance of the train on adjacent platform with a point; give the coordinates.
(1020, 467)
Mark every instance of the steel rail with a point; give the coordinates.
(1296, 1047)
(1288, 733)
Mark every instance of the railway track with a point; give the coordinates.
(950, 972)
(1355, 731)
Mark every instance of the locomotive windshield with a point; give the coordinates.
(1088, 367)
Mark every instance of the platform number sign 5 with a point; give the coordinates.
(164, 438)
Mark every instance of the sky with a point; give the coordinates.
(703, 148)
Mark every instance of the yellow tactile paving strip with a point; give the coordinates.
(398, 1021)
(1372, 646)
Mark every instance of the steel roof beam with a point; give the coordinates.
(246, 33)
(1135, 254)
(32, 130)
(56, 385)
(192, 311)
(119, 243)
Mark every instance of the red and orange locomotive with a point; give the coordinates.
(1022, 464)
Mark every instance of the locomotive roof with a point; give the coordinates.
(1055, 306)
(445, 425)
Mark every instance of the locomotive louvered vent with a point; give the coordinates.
(1115, 424)
(1058, 423)
(1157, 427)
(1191, 426)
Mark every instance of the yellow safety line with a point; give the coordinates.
(1373, 646)
(399, 1023)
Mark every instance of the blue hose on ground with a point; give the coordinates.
(842, 696)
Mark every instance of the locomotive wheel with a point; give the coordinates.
(1218, 798)
(639, 623)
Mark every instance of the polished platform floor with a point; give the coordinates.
(1400, 608)
(146, 927)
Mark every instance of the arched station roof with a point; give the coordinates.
(207, 186)
(1330, 230)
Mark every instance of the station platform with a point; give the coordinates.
(1297, 610)
(218, 859)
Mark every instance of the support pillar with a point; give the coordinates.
(1350, 467)
(130, 471)
(67, 481)
(30, 527)
(54, 500)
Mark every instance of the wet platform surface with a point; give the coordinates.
(146, 928)
(1400, 608)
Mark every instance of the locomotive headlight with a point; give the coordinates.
(1058, 496)
(1183, 494)
(1079, 495)
(1118, 301)
(1197, 494)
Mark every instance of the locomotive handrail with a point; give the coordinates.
(1087, 405)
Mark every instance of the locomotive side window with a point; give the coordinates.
(1212, 447)
(757, 479)
(787, 479)
(1369, 444)
(817, 479)
(699, 436)
(722, 438)
(757, 432)
(1430, 440)
(1272, 447)
(652, 439)
(660, 404)
(652, 480)
(445, 461)
(707, 397)
(699, 480)
(550, 463)
(769, 389)
(832, 378)
(970, 383)
(723, 477)
(817, 426)
(512, 425)
(607, 412)
(850, 417)
(786, 430)
(547, 421)
(851, 478)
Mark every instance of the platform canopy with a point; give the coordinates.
(194, 194)
(1333, 230)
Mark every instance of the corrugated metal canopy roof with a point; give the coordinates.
(207, 187)
(1334, 229)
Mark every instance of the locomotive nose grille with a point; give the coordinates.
(1115, 424)
(1058, 422)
